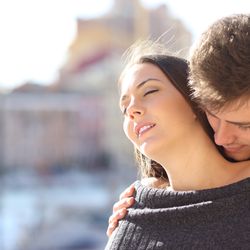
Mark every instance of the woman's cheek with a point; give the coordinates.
(128, 129)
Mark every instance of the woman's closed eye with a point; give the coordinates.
(124, 109)
(150, 92)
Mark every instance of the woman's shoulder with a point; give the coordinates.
(243, 171)
(154, 182)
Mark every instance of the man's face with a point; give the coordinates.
(232, 130)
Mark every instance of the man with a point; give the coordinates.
(220, 79)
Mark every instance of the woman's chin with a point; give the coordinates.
(148, 150)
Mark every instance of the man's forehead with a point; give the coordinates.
(232, 114)
(237, 107)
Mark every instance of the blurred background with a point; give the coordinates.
(63, 156)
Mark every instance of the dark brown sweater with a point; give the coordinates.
(217, 218)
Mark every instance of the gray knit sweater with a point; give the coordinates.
(217, 218)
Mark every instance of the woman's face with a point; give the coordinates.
(156, 116)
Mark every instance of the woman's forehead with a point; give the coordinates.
(140, 72)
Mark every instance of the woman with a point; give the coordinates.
(197, 200)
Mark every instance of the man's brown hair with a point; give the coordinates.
(220, 63)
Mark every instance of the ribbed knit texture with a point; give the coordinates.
(217, 218)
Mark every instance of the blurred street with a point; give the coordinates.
(66, 211)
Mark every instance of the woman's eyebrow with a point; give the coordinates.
(139, 86)
(145, 81)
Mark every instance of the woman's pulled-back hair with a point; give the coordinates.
(176, 70)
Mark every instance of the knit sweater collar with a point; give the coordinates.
(157, 198)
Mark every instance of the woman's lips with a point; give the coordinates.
(140, 129)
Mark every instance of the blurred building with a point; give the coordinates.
(53, 130)
(76, 120)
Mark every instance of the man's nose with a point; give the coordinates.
(224, 134)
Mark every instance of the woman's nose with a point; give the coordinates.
(134, 110)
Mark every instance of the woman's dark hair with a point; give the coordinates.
(176, 69)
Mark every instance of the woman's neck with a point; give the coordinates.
(197, 164)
